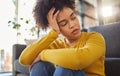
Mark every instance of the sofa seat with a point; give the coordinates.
(22, 70)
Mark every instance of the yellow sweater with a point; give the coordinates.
(87, 54)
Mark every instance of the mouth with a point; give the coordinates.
(75, 31)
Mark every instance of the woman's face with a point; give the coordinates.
(68, 23)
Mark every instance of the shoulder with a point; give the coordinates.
(92, 34)
(59, 43)
(93, 37)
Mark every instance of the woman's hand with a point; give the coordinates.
(35, 61)
(52, 20)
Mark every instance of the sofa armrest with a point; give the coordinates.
(112, 66)
(17, 49)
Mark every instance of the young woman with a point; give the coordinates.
(77, 54)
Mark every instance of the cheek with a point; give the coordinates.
(77, 22)
(64, 31)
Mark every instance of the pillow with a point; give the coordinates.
(29, 41)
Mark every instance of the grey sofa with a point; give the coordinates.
(111, 34)
(18, 69)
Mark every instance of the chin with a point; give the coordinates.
(77, 35)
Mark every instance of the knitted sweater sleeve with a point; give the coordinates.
(31, 51)
(77, 58)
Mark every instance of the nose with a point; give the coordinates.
(71, 24)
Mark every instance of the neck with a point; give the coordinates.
(71, 42)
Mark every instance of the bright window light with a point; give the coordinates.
(107, 11)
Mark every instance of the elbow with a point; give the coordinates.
(76, 66)
(24, 61)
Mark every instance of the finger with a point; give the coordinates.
(50, 13)
(56, 13)
(52, 10)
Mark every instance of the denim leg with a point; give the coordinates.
(68, 72)
(42, 69)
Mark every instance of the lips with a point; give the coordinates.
(75, 31)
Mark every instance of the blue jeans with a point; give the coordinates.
(48, 69)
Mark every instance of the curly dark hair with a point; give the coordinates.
(42, 8)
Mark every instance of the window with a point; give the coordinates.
(25, 8)
(7, 35)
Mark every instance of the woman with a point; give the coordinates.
(77, 54)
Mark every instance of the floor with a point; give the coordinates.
(5, 74)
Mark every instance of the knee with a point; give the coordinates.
(60, 71)
(38, 65)
(42, 64)
(42, 69)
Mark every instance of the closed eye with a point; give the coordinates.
(73, 18)
(62, 23)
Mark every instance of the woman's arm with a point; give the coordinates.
(31, 52)
(77, 58)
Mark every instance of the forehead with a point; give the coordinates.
(64, 13)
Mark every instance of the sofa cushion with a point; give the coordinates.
(20, 68)
(111, 34)
(30, 41)
(112, 66)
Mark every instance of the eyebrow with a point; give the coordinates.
(72, 14)
(64, 19)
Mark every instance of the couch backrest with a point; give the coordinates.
(111, 33)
